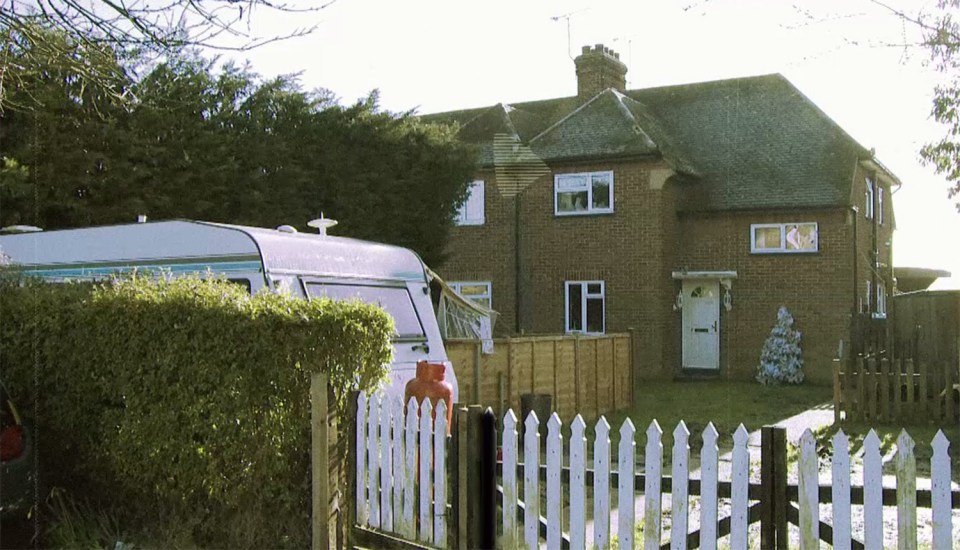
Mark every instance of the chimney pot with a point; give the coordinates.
(599, 68)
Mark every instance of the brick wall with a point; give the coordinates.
(815, 287)
(635, 249)
(626, 249)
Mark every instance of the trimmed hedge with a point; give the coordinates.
(184, 402)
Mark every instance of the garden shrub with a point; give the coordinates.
(184, 402)
(781, 359)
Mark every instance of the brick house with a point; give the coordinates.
(690, 213)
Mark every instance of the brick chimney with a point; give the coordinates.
(599, 68)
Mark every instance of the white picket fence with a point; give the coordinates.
(391, 476)
(392, 480)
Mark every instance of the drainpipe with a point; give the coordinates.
(854, 321)
(516, 263)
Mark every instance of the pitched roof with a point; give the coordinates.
(753, 142)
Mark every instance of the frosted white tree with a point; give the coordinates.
(781, 359)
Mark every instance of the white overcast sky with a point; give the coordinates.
(437, 55)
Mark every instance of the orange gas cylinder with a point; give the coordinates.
(430, 383)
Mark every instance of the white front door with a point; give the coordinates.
(701, 324)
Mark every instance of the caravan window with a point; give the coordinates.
(395, 300)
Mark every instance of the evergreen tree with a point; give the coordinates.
(781, 359)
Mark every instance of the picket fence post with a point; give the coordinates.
(386, 465)
(531, 481)
(940, 492)
(578, 495)
(601, 485)
(440, 475)
(626, 469)
(510, 540)
(410, 470)
(426, 451)
(906, 466)
(841, 491)
(808, 490)
(681, 473)
(651, 488)
(872, 492)
(708, 488)
(554, 464)
(739, 488)
(373, 460)
(360, 458)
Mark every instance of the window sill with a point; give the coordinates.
(587, 213)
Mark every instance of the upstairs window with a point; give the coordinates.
(584, 193)
(880, 204)
(478, 291)
(790, 238)
(584, 307)
(868, 200)
(471, 211)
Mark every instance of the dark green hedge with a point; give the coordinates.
(185, 402)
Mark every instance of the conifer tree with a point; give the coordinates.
(781, 359)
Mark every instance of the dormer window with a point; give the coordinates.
(583, 194)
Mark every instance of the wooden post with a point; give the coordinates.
(897, 368)
(911, 389)
(613, 379)
(351, 464)
(872, 389)
(925, 409)
(320, 460)
(596, 374)
(768, 533)
(576, 371)
(837, 391)
(633, 365)
(556, 377)
(780, 487)
(460, 518)
(470, 466)
(487, 478)
(861, 389)
(885, 389)
(476, 372)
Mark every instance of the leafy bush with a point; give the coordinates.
(188, 399)
(781, 359)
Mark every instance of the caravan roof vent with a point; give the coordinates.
(20, 229)
(322, 224)
(286, 229)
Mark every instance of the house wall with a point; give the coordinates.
(634, 251)
(630, 250)
(814, 287)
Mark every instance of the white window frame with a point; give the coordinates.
(868, 199)
(880, 204)
(881, 312)
(783, 238)
(588, 185)
(869, 295)
(458, 285)
(584, 297)
(475, 197)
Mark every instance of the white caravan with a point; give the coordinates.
(305, 265)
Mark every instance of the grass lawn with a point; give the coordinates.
(725, 403)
